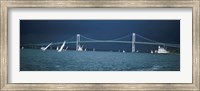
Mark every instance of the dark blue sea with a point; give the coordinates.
(51, 60)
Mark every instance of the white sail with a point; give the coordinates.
(151, 51)
(44, 48)
(61, 48)
(57, 48)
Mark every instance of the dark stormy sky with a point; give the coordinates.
(46, 31)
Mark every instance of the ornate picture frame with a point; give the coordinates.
(6, 4)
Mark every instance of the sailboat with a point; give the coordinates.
(66, 48)
(57, 48)
(80, 48)
(22, 48)
(61, 48)
(44, 48)
(151, 51)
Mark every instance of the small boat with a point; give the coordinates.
(123, 51)
(80, 48)
(162, 50)
(66, 48)
(156, 51)
(22, 47)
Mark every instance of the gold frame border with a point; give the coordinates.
(6, 4)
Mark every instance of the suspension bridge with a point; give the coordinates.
(78, 39)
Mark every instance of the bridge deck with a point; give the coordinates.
(108, 41)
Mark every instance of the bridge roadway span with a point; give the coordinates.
(111, 41)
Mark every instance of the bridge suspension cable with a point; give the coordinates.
(147, 39)
(73, 37)
(126, 36)
(88, 38)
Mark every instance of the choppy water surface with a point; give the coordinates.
(51, 60)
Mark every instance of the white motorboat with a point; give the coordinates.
(162, 50)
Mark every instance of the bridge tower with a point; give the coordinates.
(133, 42)
(77, 41)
